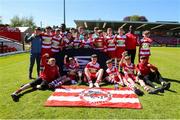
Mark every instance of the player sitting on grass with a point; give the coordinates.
(113, 75)
(50, 73)
(149, 73)
(72, 67)
(129, 77)
(93, 72)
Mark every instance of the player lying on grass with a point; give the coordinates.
(93, 72)
(72, 67)
(113, 75)
(50, 73)
(149, 73)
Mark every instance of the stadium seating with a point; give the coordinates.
(5, 49)
(12, 33)
(166, 40)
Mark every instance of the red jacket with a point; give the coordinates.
(49, 73)
(144, 69)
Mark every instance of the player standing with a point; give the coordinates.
(120, 43)
(46, 42)
(145, 44)
(56, 41)
(110, 43)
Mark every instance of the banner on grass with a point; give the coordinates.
(94, 97)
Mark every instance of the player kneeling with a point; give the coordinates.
(50, 73)
(113, 75)
(93, 72)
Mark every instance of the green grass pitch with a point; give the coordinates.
(14, 73)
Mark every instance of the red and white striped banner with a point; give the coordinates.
(94, 97)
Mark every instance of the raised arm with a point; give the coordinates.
(29, 38)
(44, 59)
(122, 59)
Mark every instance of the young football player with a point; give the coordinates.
(110, 43)
(129, 77)
(113, 75)
(93, 72)
(47, 41)
(145, 44)
(56, 42)
(86, 42)
(120, 43)
(72, 67)
(50, 73)
(149, 73)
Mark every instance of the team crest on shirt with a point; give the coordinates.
(99, 44)
(95, 96)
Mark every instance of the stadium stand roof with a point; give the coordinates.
(159, 25)
(23, 29)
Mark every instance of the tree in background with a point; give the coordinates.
(135, 18)
(16, 21)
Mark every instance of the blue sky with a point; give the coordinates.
(50, 12)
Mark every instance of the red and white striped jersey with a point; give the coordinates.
(55, 43)
(72, 67)
(77, 43)
(110, 43)
(128, 69)
(67, 43)
(120, 41)
(46, 42)
(93, 68)
(113, 72)
(99, 43)
(87, 43)
(145, 46)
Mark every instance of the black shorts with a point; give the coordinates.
(39, 81)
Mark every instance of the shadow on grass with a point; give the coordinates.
(171, 80)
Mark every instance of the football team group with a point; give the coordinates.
(121, 70)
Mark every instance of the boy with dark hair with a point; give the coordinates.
(149, 73)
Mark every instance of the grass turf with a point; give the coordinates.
(14, 73)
